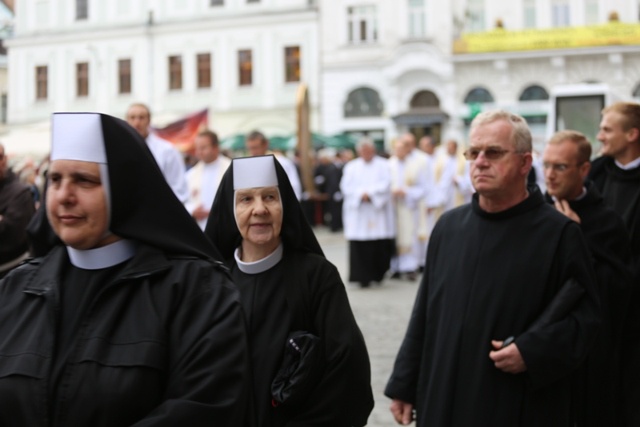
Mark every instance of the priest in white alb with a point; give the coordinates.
(205, 176)
(368, 214)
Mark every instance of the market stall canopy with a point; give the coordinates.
(233, 142)
(338, 141)
(289, 143)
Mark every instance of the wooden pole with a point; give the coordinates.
(304, 139)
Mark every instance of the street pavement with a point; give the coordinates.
(382, 312)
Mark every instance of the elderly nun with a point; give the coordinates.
(308, 358)
(128, 320)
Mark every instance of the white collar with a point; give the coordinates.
(261, 265)
(580, 197)
(631, 165)
(103, 257)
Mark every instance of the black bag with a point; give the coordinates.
(301, 369)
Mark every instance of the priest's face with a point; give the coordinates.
(76, 204)
(206, 150)
(259, 217)
(616, 140)
(139, 118)
(563, 173)
(497, 170)
(367, 152)
(402, 149)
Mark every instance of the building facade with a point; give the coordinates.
(386, 68)
(430, 66)
(241, 59)
(513, 55)
(373, 67)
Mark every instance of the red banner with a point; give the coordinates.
(182, 132)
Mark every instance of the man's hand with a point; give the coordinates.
(563, 207)
(402, 412)
(507, 359)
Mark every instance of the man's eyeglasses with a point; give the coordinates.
(491, 153)
(557, 167)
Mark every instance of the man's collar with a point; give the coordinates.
(631, 165)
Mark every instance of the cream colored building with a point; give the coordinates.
(375, 67)
(241, 59)
(514, 54)
(404, 53)
(387, 68)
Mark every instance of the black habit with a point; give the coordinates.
(158, 339)
(597, 381)
(488, 276)
(303, 291)
(620, 189)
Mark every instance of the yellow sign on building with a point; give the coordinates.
(500, 40)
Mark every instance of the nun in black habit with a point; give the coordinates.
(128, 320)
(289, 289)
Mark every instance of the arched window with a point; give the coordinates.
(478, 95)
(363, 102)
(534, 93)
(424, 98)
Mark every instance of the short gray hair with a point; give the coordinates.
(520, 135)
(366, 141)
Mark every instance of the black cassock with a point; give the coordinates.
(620, 189)
(597, 386)
(343, 395)
(489, 276)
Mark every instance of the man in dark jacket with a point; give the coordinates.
(617, 175)
(566, 165)
(16, 209)
(476, 352)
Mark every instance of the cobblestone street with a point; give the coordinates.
(382, 313)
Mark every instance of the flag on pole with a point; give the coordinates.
(182, 133)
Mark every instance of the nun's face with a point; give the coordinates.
(76, 204)
(259, 216)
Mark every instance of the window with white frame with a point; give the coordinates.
(417, 15)
(203, 73)
(82, 79)
(560, 13)
(82, 10)
(124, 76)
(245, 67)
(42, 83)
(534, 93)
(362, 25)
(292, 64)
(529, 12)
(475, 21)
(175, 72)
(363, 102)
(591, 12)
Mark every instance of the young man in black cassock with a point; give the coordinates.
(566, 162)
(475, 352)
(617, 175)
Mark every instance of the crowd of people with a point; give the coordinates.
(138, 291)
